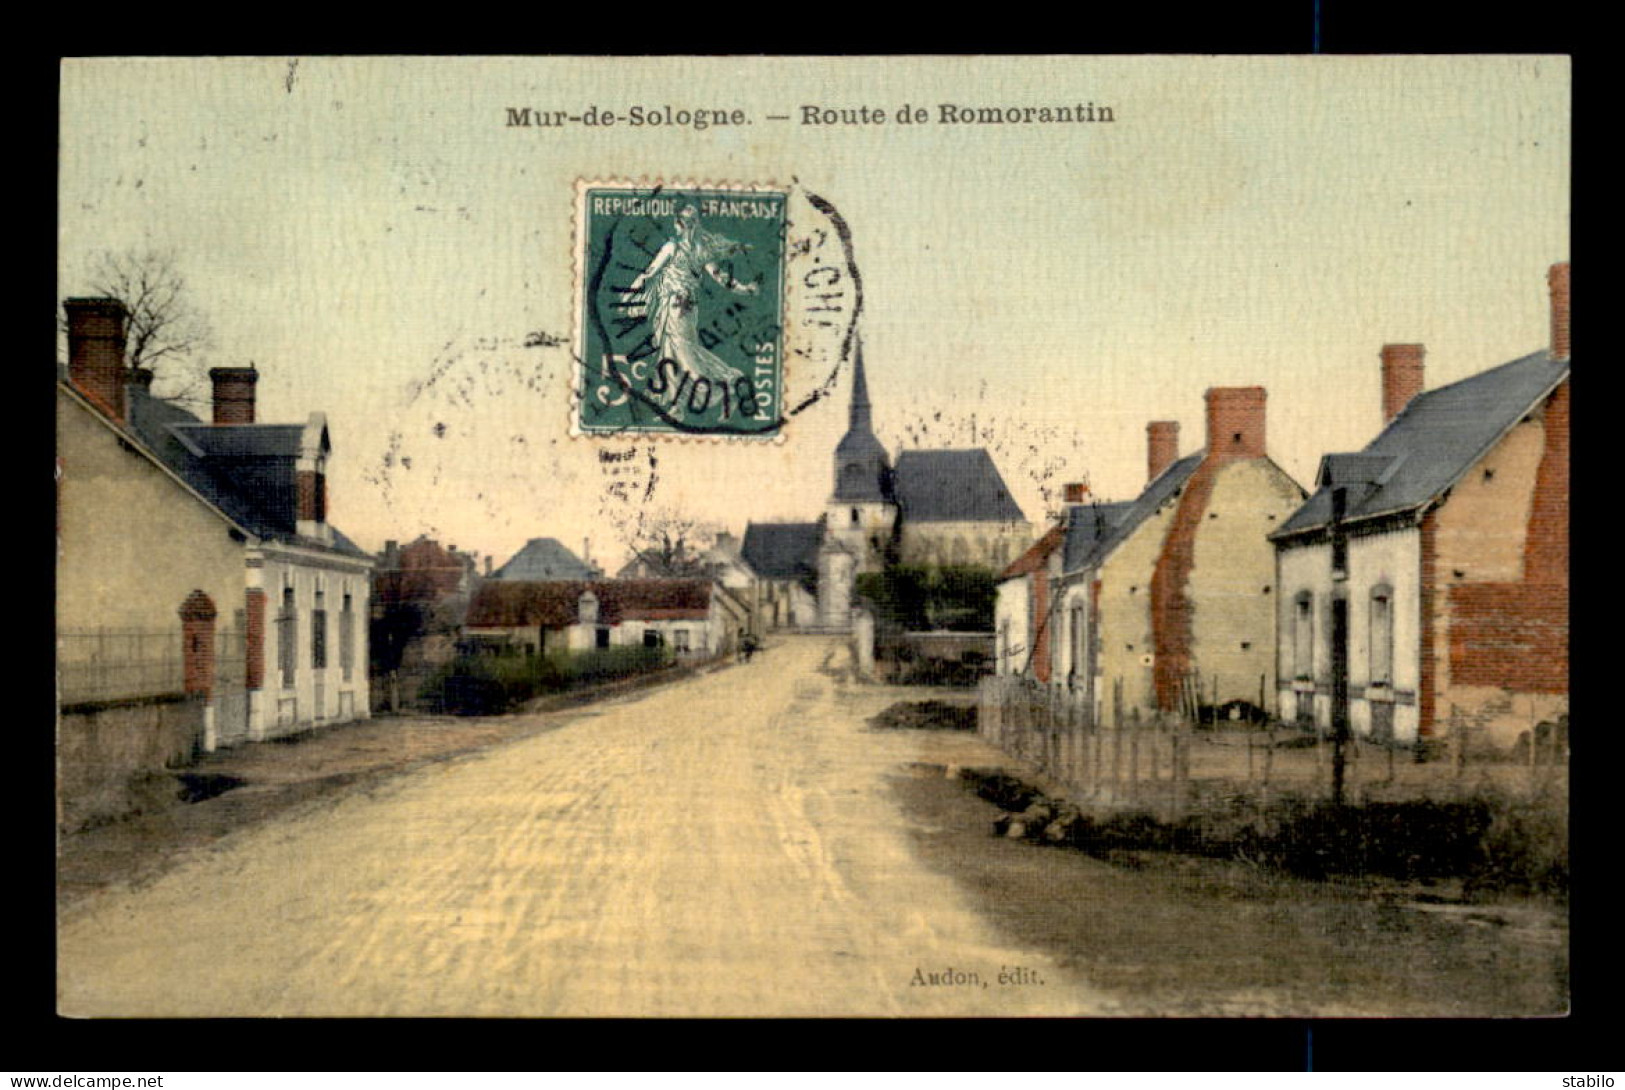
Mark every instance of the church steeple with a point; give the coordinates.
(860, 418)
(862, 468)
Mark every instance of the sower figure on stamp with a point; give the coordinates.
(673, 279)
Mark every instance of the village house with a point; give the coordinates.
(933, 509)
(212, 537)
(1426, 579)
(545, 559)
(1169, 596)
(695, 618)
(420, 595)
(782, 558)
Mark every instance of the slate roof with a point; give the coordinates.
(783, 550)
(1430, 444)
(952, 486)
(556, 603)
(543, 559)
(1091, 542)
(245, 470)
(1087, 527)
(870, 480)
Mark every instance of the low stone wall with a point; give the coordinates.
(112, 756)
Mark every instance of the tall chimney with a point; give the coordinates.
(1558, 279)
(1235, 422)
(234, 394)
(96, 351)
(1161, 447)
(1402, 377)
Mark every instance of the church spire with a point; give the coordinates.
(862, 470)
(860, 418)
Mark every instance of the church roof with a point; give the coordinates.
(952, 486)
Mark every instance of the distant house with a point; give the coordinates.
(783, 558)
(420, 595)
(217, 532)
(544, 559)
(1169, 596)
(1427, 577)
(1022, 614)
(693, 617)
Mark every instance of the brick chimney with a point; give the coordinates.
(1161, 447)
(1402, 377)
(1074, 493)
(1558, 279)
(1235, 422)
(96, 351)
(234, 394)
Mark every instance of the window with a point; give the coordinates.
(347, 638)
(854, 516)
(1078, 655)
(679, 639)
(651, 638)
(1382, 636)
(318, 633)
(285, 634)
(1303, 636)
(603, 637)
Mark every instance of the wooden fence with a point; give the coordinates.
(1166, 764)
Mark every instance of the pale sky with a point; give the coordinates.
(380, 244)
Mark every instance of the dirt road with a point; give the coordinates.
(726, 846)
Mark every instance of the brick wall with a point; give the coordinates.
(1044, 622)
(1427, 688)
(254, 671)
(1171, 606)
(1546, 548)
(197, 633)
(1509, 636)
(1515, 635)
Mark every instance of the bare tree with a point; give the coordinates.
(166, 333)
(666, 544)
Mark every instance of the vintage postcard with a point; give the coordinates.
(770, 536)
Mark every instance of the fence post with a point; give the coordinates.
(1134, 755)
(1117, 739)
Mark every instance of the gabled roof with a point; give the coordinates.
(1036, 555)
(952, 486)
(542, 559)
(1426, 448)
(1087, 527)
(782, 550)
(556, 603)
(1094, 541)
(245, 470)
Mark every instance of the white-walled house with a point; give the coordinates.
(1427, 576)
(275, 620)
(695, 618)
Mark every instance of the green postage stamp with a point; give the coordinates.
(680, 300)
